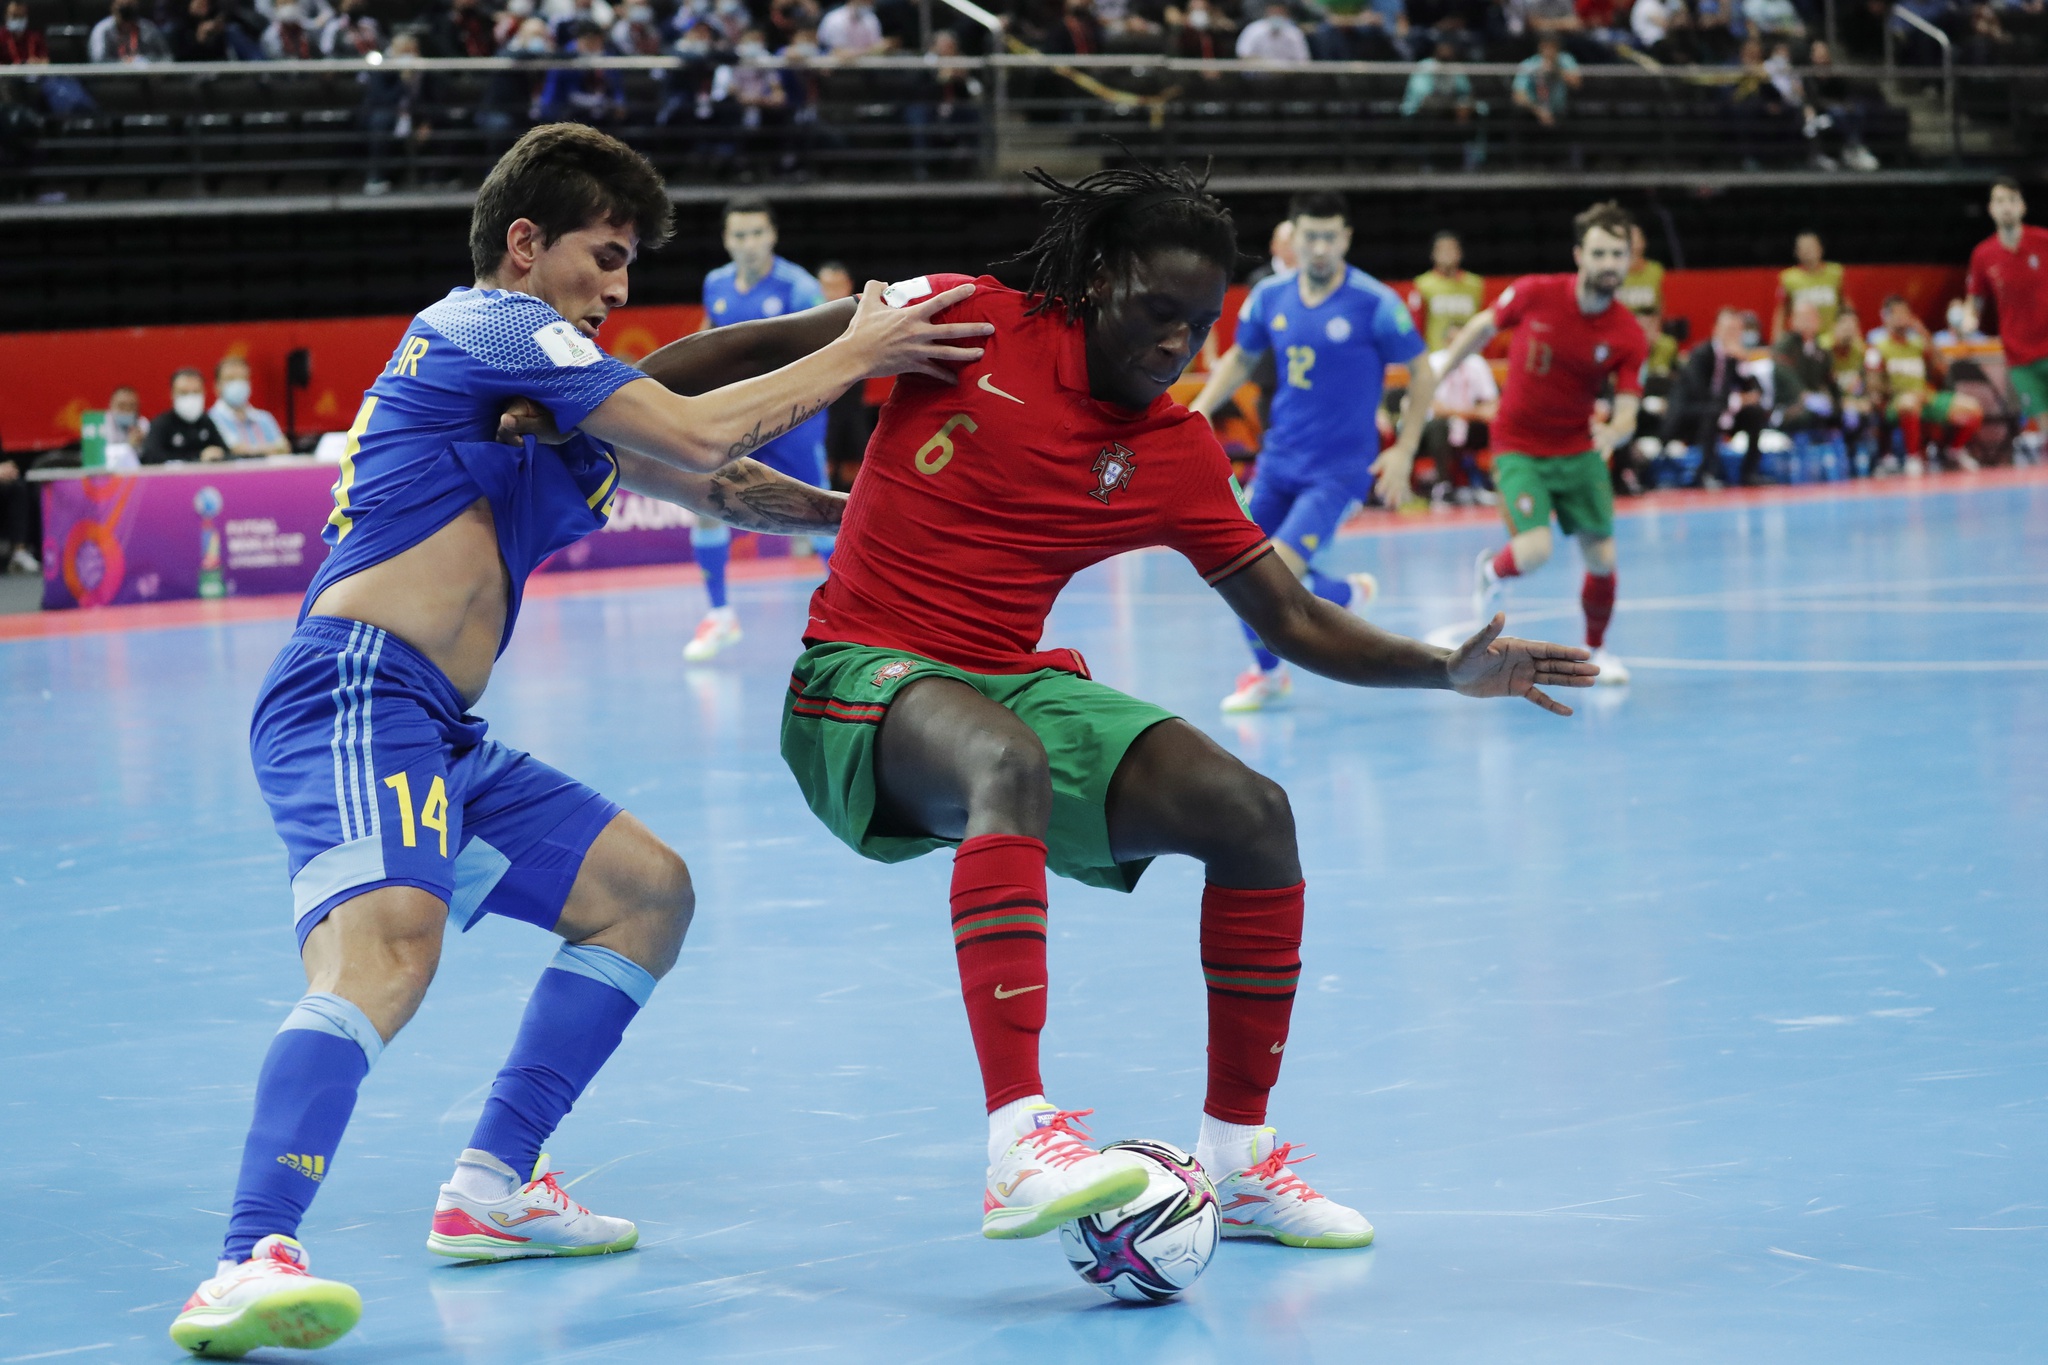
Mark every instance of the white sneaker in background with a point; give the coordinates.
(267, 1300)
(1257, 690)
(1613, 672)
(1485, 589)
(1365, 590)
(719, 630)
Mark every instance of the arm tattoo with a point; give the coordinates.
(749, 496)
(762, 434)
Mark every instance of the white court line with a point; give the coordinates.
(1844, 665)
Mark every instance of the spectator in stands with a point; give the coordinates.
(1770, 19)
(506, 23)
(290, 37)
(1204, 34)
(1663, 29)
(1079, 30)
(1466, 24)
(464, 30)
(399, 102)
(945, 104)
(850, 30)
(185, 432)
(21, 42)
(353, 33)
(1467, 399)
(1541, 92)
(24, 44)
(1273, 38)
(20, 530)
(1361, 31)
(1601, 21)
(1436, 93)
(1834, 114)
(596, 96)
(247, 430)
(637, 32)
(1713, 27)
(200, 34)
(1710, 400)
(125, 37)
(125, 423)
(1987, 44)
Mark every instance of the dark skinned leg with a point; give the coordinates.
(952, 763)
(1178, 791)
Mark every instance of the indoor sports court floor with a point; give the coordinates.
(1704, 1026)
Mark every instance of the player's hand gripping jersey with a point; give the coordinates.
(977, 503)
(1558, 363)
(1332, 361)
(423, 445)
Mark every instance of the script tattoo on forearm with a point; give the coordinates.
(749, 496)
(762, 434)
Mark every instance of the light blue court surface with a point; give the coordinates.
(1707, 1025)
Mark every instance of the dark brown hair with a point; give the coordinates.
(565, 177)
(1608, 216)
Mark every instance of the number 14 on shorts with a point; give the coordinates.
(433, 814)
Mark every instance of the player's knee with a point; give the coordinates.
(668, 902)
(1247, 821)
(1532, 549)
(1012, 780)
(1599, 554)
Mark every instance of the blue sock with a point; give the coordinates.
(712, 546)
(1330, 589)
(304, 1096)
(1266, 658)
(573, 1023)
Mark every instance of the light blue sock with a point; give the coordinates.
(573, 1023)
(711, 543)
(304, 1097)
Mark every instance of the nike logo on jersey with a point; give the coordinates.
(1002, 994)
(502, 1221)
(987, 385)
(1277, 1047)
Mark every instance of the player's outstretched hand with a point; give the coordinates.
(906, 340)
(1492, 665)
(523, 417)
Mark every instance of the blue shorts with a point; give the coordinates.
(800, 454)
(376, 777)
(1302, 510)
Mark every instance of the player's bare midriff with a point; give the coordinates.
(446, 597)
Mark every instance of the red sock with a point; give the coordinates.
(1962, 429)
(1909, 428)
(999, 937)
(1504, 563)
(1597, 597)
(1251, 959)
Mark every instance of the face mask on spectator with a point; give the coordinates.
(752, 51)
(18, 25)
(189, 406)
(640, 14)
(120, 425)
(1198, 18)
(519, 9)
(234, 392)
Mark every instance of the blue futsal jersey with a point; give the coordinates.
(786, 288)
(422, 446)
(1331, 360)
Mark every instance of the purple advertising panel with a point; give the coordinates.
(208, 531)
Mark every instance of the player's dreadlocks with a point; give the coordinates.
(1105, 220)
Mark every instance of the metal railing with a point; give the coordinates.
(1901, 15)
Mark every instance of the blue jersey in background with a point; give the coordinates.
(422, 446)
(786, 288)
(1331, 361)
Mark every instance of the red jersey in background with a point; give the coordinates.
(977, 502)
(2017, 281)
(1558, 364)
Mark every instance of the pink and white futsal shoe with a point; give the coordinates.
(537, 1219)
(267, 1300)
(1267, 1199)
(1051, 1175)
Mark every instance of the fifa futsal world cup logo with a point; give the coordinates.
(1112, 471)
(207, 503)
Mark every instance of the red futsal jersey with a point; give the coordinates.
(977, 503)
(1558, 363)
(2017, 281)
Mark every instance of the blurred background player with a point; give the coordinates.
(1814, 280)
(1333, 330)
(849, 421)
(1467, 401)
(1906, 377)
(2007, 268)
(756, 283)
(1550, 456)
(1446, 295)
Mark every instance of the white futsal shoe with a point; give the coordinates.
(1613, 672)
(267, 1300)
(1051, 1176)
(1257, 690)
(1365, 590)
(1267, 1199)
(718, 631)
(537, 1219)
(1485, 589)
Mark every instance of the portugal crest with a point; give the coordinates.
(1113, 469)
(891, 671)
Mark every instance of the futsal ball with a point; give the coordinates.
(1154, 1247)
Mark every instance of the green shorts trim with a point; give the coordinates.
(2030, 386)
(839, 695)
(1576, 488)
(1933, 408)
